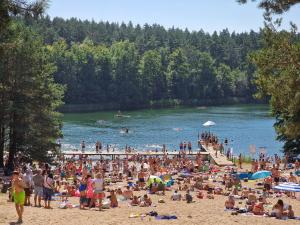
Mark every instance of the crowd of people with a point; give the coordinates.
(104, 183)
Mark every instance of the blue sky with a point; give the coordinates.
(209, 15)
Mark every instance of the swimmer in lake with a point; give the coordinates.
(125, 130)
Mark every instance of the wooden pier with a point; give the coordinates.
(220, 159)
(113, 154)
(205, 150)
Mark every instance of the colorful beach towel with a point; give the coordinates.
(166, 217)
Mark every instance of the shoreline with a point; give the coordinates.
(161, 104)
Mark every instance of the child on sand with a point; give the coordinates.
(176, 196)
(113, 199)
(290, 213)
(188, 197)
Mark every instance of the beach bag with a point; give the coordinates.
(106, 205)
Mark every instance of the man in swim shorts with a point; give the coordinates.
(141, 177)
(18, 194)
(38, 181)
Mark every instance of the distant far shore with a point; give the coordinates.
(166, 103)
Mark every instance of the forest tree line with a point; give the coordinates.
(44, 62)
(133, 66)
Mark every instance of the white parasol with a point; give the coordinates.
(209, 124)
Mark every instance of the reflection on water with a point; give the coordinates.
(149, 129)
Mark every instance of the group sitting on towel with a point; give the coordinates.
(279, 210)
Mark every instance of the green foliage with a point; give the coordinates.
(274, 6)
(132, 67)
(278, 76)
(178, 74)
(32, 9)
(125, 73)
(29, 95)
(153, 79)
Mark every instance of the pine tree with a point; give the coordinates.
(31, 96)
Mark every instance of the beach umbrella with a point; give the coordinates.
(292, 187)
(152, 178)
(209, 124)
(260, 175)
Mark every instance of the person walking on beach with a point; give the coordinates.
(141, 177)
(27, 178)
(19, 194)
(38, 182)
(48, 189)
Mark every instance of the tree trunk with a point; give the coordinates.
(12, 144)
(1, 146)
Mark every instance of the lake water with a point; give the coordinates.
(242, 125)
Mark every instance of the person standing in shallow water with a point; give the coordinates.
(18, 194)
(97, 146)
(181, 146)
(190, 147)
(82, 146)
(240, 160)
